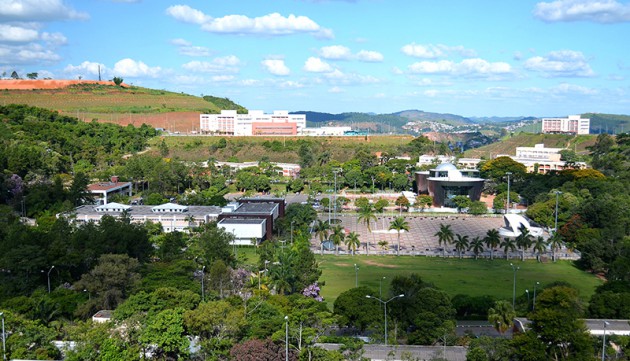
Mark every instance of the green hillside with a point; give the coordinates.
(508, 144)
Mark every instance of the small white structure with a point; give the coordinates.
(103, 190)
(244, 230)
(102, 316)
(512, 224)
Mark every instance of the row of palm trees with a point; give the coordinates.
(525, 240)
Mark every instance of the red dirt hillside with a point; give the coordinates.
(27, 84)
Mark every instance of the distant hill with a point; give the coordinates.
(508, 144)
(419, 115)
(492, 119)
(608, 123)
(106, 102)
(379, 123)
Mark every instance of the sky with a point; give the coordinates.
(471, 58)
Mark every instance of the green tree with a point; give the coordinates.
(354, 310)
(212, 244)
(461, 243)
(117, 80)
(555, 242)
(492, 240)
(477, 208)
(509, 245)
(501, 316)
(399, 224)
(380, 205)
(476, 245)
(540, 246)
(445, 236)
(461, 202)
(424, 200)
(32, 75)
(402, 202)
(337, 236)
(362, 203)
(166, 333)
(524, 240)
(498, 167)
(353, 242)
(321, 230)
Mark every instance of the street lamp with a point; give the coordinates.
(286, 346)
(507, 206)
(203, 290)
(604, 342)
(385, 304)
(4, 343)
(527, 291)
(514, 286)
(356, 275)
(336, 171)
(51, 268)
(555, 227)
(380, 287)
(534, 304)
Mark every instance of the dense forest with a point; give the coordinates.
(173, 290)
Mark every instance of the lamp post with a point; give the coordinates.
(203, 289)
(534, 304)
(555, 226)
(514, 285)
(286, 346)
(604, 342)
(336, 171)
(507, 206)
(380, 287)
(385, 304)
(356, 275)
(527, 291)
(50, 270)
(4, 343)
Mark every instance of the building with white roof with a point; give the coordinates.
(446, 181)
(103, 191)
(513, 224)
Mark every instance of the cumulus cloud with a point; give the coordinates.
(54, 39)
(85, 68)
(563, 63)
(276, 67)
(28, 54)
(600, 11)
(38, 10)
(338, 77)
(18, 34)
(134, 68)
(467, 67)
(431, 51)
(370, 56)
(225, 64)
(270, 25)
(317, 65)
(335, 52)
(335, 90)
(566, 88)
(187, 48)
(291, 84)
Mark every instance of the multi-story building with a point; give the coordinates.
(574, 124)
(255, 122)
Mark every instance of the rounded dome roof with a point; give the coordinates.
(445, 167)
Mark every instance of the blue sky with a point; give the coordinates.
(473, 58)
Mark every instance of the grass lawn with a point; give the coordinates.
(455, 276)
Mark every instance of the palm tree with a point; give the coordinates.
(444, 235)
(501, 316)
(321, 230)
(353, 242)
(367, 215)
(492, 240)
(540, 246)
(476, 245)
(383, 244)
(523, 240)
(508, 245)
(555, 242)
(399, 224)
(191, 222)
(461, 243)
(337, 236)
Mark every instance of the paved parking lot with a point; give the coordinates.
(420, 239)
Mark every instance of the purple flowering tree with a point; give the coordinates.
(312, 291)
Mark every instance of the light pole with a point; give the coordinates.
(203, 289)
(380, 287)
(555, 226)
(507, 206)
(286, 346)
(385, 304)
(356, 275)
(259, 272)
(50, 270)
(534, 304)
(604, 342)
(514, 285)
(4, 343)
(527, 291)
(336, 171)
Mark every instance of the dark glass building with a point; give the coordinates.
(446, 181)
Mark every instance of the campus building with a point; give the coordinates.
(103, 191)
(445, 182)
(539, 159)
(574, 124)
(255, 122)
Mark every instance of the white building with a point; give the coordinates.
(538, 159)
(325, 131)
(539, 152)
(574, 124)
(255, 122)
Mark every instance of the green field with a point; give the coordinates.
(455, 276)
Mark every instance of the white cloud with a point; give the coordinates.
(563, 63)
(54, 39)
(335, 90)
(271, 24)
(133, 68)
(186, 48)
(10, 33)
(222, 78)
(467, 67)
(225, 64)
(31, 53)
(84, 69)
(369, 56)
(317, 65)
(335, 52)
(431, 51)
(566, 88)
(600, 11)
(37, 10)
(291, 84)
(276, 67)
(339, 77)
